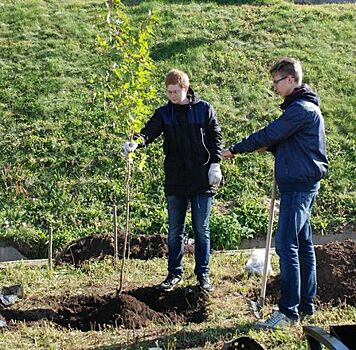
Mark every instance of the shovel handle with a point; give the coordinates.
(268, 244)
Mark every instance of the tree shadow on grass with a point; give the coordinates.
(184, 339)
(164, 51)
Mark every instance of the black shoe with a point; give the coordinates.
(170, 282)
(205, 284)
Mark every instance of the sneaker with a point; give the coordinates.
(204, 283)
(170, 282)
(277, 320)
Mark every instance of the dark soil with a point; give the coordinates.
(336, 271)
(96, 246)
(133, 309)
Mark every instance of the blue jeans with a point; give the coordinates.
(295, 249)
(177, 210)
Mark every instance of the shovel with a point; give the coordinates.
(256, 306)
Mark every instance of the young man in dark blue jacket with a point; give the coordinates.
(192, 147)
(297, 140)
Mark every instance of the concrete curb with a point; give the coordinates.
(6, 264)
(317, 239)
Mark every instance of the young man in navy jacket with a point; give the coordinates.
(192, 148)
(297, 140)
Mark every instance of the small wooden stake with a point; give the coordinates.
(115, 237)
(50, 240)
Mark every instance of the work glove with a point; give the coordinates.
(129, 147)
(214, 174)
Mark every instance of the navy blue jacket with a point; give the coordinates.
(297, 140)
(192, 141)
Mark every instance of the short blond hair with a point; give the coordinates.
(287, 66)
(176, 76)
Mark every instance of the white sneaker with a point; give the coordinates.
(277, 320)
(170, 282)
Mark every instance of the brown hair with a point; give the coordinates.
(287, 66)
(176, 76)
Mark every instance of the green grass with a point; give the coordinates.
(61, 164)
(228, 318)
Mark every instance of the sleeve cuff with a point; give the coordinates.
(232, 149)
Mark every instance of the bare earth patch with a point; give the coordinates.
(131, 310)
(97, 246)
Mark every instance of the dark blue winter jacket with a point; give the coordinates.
(191, 142)
(297, 140)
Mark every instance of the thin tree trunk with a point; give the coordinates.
(127, 186)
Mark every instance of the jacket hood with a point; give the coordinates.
(193, 97)
(302, 92)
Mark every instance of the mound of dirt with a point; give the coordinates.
(131, 310)
(98, 246)
(336, 271)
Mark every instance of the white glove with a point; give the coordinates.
(129, 147)
(214, 174)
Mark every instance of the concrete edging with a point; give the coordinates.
(317, 239)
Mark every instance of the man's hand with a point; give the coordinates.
(214, 174)
(226, 154)
(129, 147)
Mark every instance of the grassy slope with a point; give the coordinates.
(56, 143)
(60, 162)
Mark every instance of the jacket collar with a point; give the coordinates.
(302, 92)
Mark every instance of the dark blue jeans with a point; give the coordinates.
(295, 249)
(177, 210)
